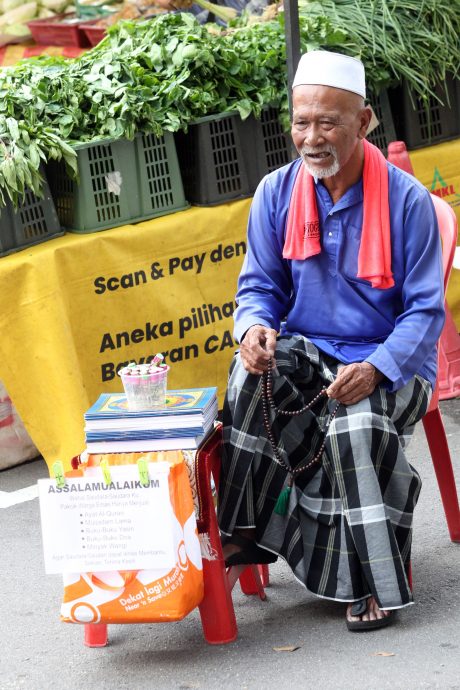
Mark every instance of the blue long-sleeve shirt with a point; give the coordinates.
(321, 298)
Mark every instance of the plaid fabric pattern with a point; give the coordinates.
(347, 533)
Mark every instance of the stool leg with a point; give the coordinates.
(251, 582)
(264, 574)
(216, 609)
(440, 454)
(96, 635)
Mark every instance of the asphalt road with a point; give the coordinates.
(422, 650)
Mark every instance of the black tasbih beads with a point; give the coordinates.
(267, 403)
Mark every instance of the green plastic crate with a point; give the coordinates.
(385, 132)
(271, 146)
(159, 176)
(34, 221)
(120, 182)
(421, 124)
(223, 157)
(213, 161)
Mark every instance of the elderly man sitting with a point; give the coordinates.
(340, 305)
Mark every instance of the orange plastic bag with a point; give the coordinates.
(142, 596)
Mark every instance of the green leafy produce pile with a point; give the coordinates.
(164, 73)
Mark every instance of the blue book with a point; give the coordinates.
(184, 401)
(146, 445)
(140, 434)
(188, 412)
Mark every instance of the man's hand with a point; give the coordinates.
(256, 348)
(354, 382)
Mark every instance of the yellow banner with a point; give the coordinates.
(73, 309)
(438, 169)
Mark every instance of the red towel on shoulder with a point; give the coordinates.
(303, 232)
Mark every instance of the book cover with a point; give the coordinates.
(183, 401)
(145, 445)
(179, 421)
(145, 434)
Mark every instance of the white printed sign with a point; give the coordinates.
(89, 525)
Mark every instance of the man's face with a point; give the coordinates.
(327, 125)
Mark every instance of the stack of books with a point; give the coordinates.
(184, 423)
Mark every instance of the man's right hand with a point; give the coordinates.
(257, 347)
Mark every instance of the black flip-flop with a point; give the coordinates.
(358, 609)
(250, 553)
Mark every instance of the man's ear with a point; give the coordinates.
(366, 116)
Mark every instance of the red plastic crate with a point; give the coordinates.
(93, 32)
(61, 30)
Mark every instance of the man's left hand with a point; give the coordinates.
(354, 382)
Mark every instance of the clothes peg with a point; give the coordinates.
(104, 465)
(143, 471)
(58, 472)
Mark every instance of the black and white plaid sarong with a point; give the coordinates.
(347, 533)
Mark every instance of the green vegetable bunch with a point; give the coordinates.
(260, 49)
(162, 74)
(23, 148)
(414, 40)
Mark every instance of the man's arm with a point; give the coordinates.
(418, 327)
(264, 285)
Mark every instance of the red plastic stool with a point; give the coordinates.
(432, 421)
(216, 610)
(448, 358)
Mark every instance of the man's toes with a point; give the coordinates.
(352, 619)
(373, 610)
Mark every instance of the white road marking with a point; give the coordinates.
(12, 498)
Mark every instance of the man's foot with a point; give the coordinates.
(243, 550)
(366, 615)
(235, 545)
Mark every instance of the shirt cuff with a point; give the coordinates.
(242, 328)
(382, 360)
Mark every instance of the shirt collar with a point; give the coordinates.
(352, 196)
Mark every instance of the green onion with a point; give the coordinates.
(412, 40)
(224, 13)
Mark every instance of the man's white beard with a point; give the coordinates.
(320, 173)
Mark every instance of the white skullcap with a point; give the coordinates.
(331, 69)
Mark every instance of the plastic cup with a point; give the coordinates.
(146, 392)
